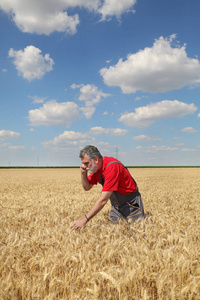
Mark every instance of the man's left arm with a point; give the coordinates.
(99, 204)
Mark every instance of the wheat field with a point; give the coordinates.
(41, 259)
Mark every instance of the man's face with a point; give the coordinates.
(91, 165)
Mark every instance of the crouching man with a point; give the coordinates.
(118, 186)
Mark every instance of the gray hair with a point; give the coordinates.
(91, 151)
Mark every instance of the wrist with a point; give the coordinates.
(87, 218)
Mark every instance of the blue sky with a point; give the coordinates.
(121, 75)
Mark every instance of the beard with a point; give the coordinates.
(94, 167)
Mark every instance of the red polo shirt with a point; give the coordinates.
(116, 177)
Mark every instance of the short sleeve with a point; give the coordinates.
(112, 178)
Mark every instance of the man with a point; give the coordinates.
(118, 186)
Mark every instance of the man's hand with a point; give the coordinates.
(99, 204)
(84, 179)
(83, 169)
(79, 224)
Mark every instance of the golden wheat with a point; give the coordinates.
(41, 259)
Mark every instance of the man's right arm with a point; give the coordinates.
(84, 178)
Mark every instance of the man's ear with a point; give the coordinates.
(96, 160)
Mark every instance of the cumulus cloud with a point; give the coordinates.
(53, 113)
(146, 138)
(91, 96)
(30, 63)
(42, 17)
(75, 139)
(115, 7)
(158, 69)
(37, 99)
(112, 131)
(146, 115)
(8, 134)
(66, 138)
(189, 130)
(88, 111)
(47, 16)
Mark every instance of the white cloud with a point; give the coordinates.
(47, 16)
(4, 70)
(189, 130)
(76, 86)
(30, 63)
(116, 7)
(91, 96)
(53, 113)
(16, 147)
(8, 134)
(42, 17)
(154, 149)
(198, 115)
(137, 98)
(88, 111)
(146, 115)
(106, 113)
(37, 99)
(146, 138)
(3, 145)
(66, 138)
(75, 139)
(112, 131)
(158, 69)
(188, 150)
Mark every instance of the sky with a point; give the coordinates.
(123, 76)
